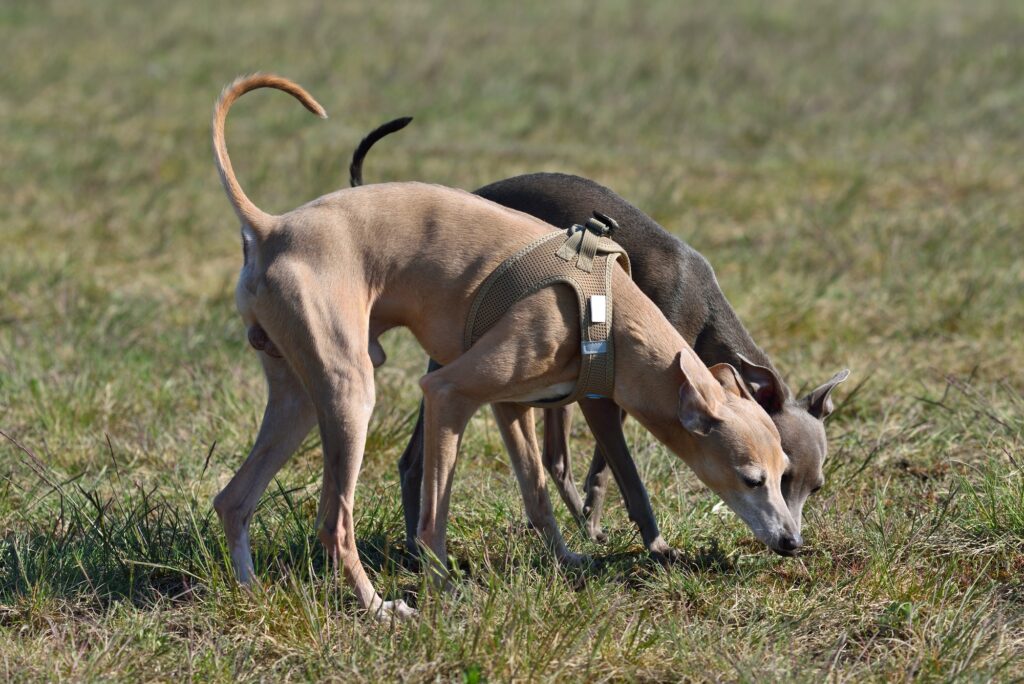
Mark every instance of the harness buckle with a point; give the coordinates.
(602, 224)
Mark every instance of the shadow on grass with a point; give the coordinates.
(517, 548)
(143, 547)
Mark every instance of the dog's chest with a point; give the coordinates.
(551, 393)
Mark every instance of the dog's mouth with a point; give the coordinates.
(787, 553)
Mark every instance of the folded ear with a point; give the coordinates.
(695, 411)
(819, 402)
(764, 383)
(730, 380)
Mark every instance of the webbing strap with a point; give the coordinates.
(580, 257)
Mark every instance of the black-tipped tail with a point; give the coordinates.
(355, 169)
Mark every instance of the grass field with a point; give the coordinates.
(852, 170)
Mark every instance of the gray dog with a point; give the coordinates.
(682, 284)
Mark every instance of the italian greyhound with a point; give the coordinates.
(321, 283)
(682, 284)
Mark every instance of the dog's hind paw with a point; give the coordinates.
(397, 609)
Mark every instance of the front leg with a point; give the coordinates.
(515, 421)
(446, 412)
(596, 487)
(605, 420)
(410, 475)
(599, 477)
(557, 426)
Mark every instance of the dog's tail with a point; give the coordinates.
(248, 212)
(355, 169)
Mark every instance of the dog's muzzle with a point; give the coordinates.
(788, 545)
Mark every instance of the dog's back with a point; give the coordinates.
(677, 278)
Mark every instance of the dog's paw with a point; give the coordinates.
(573, 560)
(392, 610)
(596, 533)
(252, 586)
(663, 553)
(248, 581)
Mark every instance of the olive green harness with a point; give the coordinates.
(581, 257)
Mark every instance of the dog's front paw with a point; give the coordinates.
(248, 581)
(595, 532)
(397, 609)
(569, 559)
(663, 553)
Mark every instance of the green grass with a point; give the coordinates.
(852, 170)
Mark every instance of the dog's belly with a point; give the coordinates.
(556, 391)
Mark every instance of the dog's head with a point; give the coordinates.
(740, 453)
(801, 428)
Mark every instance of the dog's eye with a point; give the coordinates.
(754, 482)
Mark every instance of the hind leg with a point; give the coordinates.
(287, 420)
(324, 339)
(345, 402)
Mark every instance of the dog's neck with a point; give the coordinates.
(647, 377)
(723, 337)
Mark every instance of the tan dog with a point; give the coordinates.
(321, 283)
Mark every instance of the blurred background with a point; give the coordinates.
(852, 171)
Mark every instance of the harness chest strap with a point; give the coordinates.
(580, 257)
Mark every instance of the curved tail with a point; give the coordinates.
(248, 212)
(355, 169)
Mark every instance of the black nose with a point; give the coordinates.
(789, 543)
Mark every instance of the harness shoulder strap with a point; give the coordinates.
(584, 260)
